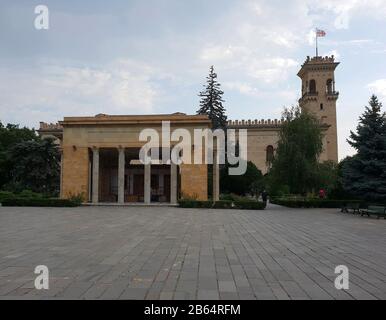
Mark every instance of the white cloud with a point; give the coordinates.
(271, 69)
(378, 87)
(344, 10)
(243, 88)
(222, 53)
(53, 91)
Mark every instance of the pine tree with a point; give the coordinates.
(364, 174)
(211, 101)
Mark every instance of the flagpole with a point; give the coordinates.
(316, 41)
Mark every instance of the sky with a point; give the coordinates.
(152, 56)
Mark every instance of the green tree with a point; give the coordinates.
(328, 176)
(36, 166)
(336, 190)
(364, 174)
(251, 182)
(295, 166)
(11, 135)
(211, 102)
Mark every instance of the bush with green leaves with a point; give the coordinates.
(6, 195)
(251, 182)
(223, 204)
(38, 202)
(232, 197)
(313, 203)
(77, 198)
(187, 203)
(249, 205)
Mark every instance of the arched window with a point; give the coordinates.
(312, 86)
(329, 86)
(269, 154)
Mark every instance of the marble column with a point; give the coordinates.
(173, 183)
(61, 174)
(147, 183)
(121, 175)
(95, 175)
(131, 184)
(216, 177)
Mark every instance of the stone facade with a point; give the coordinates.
(84, 140)
(97, 149)
(318, 96)
(75, 171)
(194, 181)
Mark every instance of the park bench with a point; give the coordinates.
(379, 211)
(354, 206)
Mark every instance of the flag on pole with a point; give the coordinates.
(320, 33)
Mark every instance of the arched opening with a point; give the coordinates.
(329, 86)
(312, 86)
(269, 154)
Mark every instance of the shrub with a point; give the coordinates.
(250, 205)
(29, 194)
(6, 195)
(232, 197)
(195, 204)
(313, 203)
(223, 204)
(78, 198)
(38, 202)
(25, 194)
(248, 183)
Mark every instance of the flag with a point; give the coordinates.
(320, 33)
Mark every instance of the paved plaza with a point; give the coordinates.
(171, 253)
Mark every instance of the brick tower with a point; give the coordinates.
(319, 97)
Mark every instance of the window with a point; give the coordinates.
(321, 106)
(269, 154)
(312, 86)
(329, 86)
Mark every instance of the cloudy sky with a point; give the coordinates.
(152, 56)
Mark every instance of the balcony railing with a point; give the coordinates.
(309, 95)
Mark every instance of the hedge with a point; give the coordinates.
(313, 203)
(250, 205)
(223, 204)
(38, 202)
(195, 204)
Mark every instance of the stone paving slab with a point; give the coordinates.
(170, 253)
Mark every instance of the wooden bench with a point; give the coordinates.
(379, 211)
(354, 206)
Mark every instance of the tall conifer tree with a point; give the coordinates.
(211, 102)
(364, 174)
